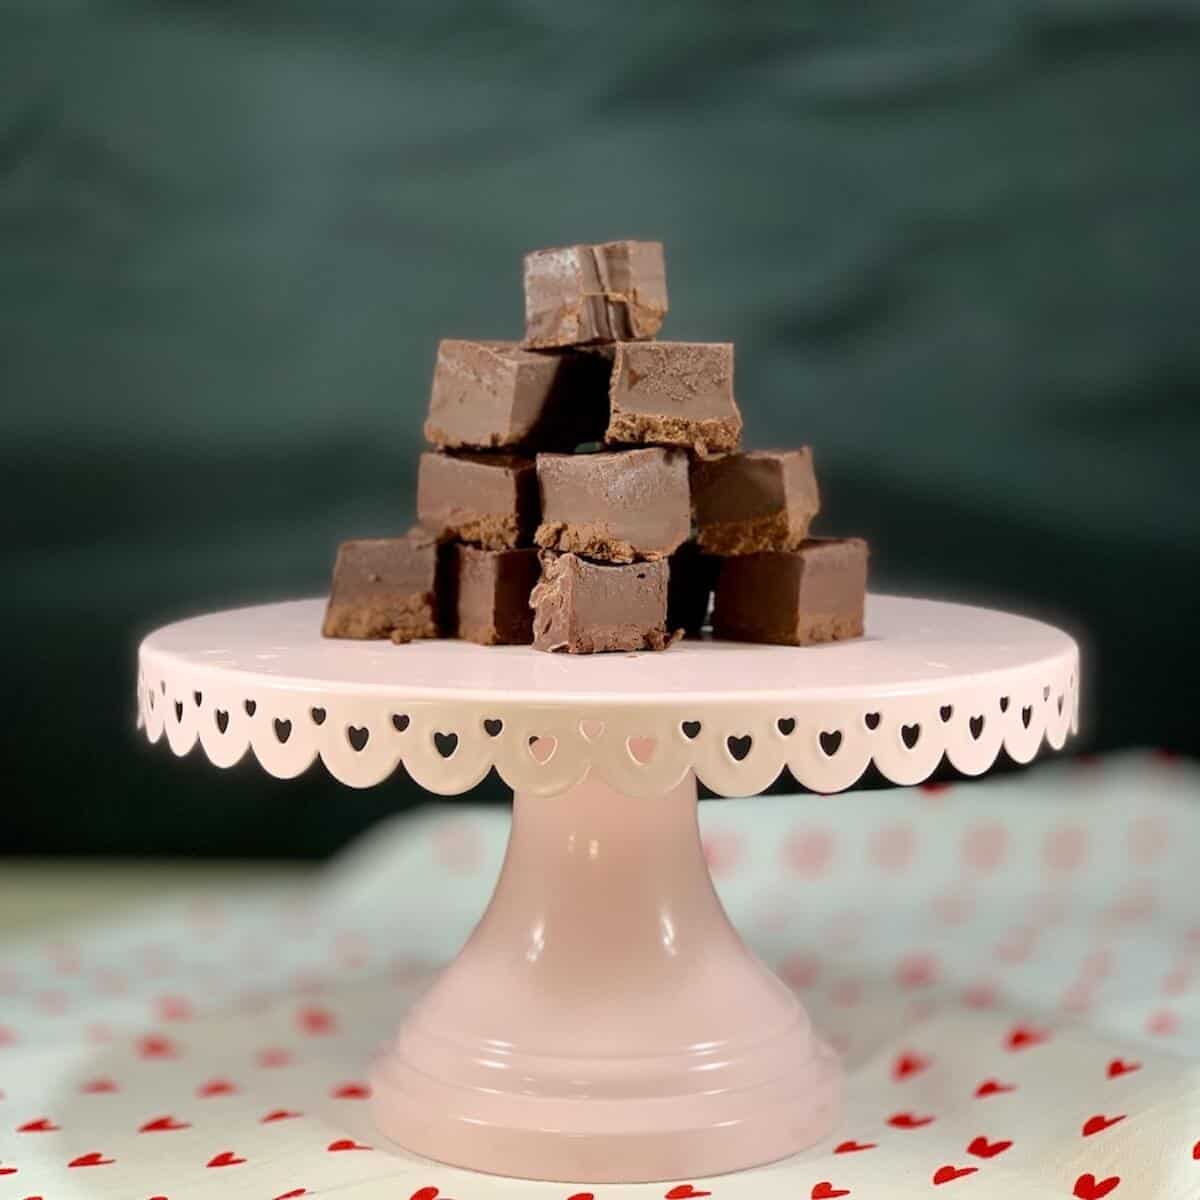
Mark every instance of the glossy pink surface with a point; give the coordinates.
(604, 1022)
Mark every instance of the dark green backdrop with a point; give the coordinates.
(958, 246)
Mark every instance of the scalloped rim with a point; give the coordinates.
(826, 744)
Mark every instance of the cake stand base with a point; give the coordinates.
(604, 1022)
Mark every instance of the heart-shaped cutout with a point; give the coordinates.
(1060, 705)
(946, 712)
(975, 724)
(641, 749)
(198, 697)
(739, 747)
(446, 743)
(1026, 715)
(591, 729)
(251, 707)
(1004, 704)
(283, 729)
(492, 726)
(179, 710)
(318, 715)
(222, 719)
(691, 730)
(786, 726)
(910, 735)
(541, 749)
(830, 741)
(357, 736)
(400, 722)
(871, 720)
(948, 1174)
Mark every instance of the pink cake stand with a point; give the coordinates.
(604, 1022)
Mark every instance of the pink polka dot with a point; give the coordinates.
(722, 851)
(808, 852)
(892, 848)
(800, 970)
(1064, 849)
(984, 847)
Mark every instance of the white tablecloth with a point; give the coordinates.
(1011, 968)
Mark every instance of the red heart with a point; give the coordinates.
(292, 1194)
(1088, 1187)
(426, 1193)
(274, 1057)
(8, 1170)
(1099, 1123)
(1196, 1152)
(315, 1020)
(95, 1086)
(948, 1174)
(582, 1196)
(826, 1191)
(215, 1087)
(982, 1148)
(851, 1147)
(345, 1144)
(155, 1046)
(908, 1064)
(175, 1008)
(1120, 1067)
(41, 1125)
(993, 1087)
(1022, 1036)
(351, 1091)
(163, 1125)
(226, 1158)
(92, 1159)
(906, 1120)
(684, 1191)
(279, 1114)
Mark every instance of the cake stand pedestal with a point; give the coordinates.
(604, 1022)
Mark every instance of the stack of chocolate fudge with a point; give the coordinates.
(584, 490)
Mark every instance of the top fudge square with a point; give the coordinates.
(579, 295)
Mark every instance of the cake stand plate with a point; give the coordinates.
(604, 1022)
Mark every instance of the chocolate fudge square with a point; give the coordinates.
(794, 598)
(497, 396)
(576, 295)
(615, 507)
(674, 394)
(384, 588)
(748, 503)
(490, 500)
(490, 592)
(581, 607)
(690, 588)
